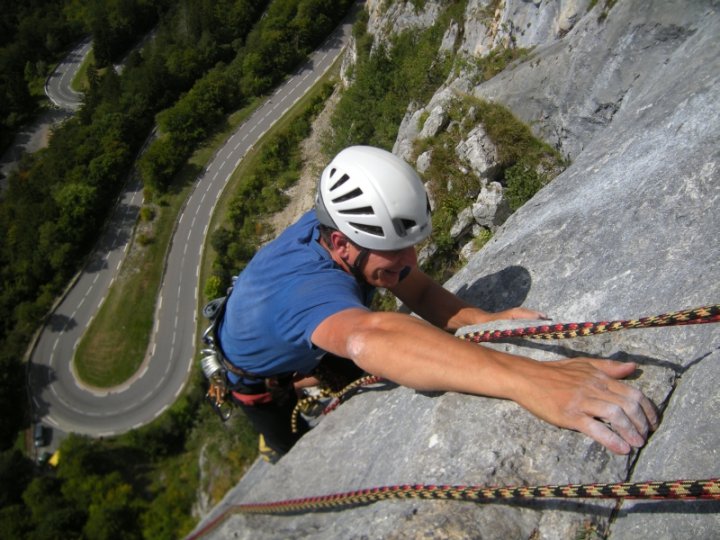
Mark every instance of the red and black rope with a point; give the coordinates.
(700, 315)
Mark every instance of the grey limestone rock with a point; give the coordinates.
(479, 152)
(629, 229)
(490, 208)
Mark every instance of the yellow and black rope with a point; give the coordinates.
(675, 489)
(338, 397)
(708, 489)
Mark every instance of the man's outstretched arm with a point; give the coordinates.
(437, 305)
(579, 394)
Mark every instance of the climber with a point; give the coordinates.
(300, 309)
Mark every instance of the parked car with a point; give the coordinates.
(44, 458)
(39, 435)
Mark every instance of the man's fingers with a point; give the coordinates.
(602, 434)
(587, 395)
(651, 413)
(523, 313)
(626, 419)
(620, 419)
(613, 413)
(613, 368)
(640, 408)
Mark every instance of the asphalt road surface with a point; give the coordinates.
(58, 85)
(59, 399)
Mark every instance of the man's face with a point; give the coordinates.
(382, 268)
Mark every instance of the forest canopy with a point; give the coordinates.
(172, 68)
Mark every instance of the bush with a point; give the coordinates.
(145, 239)
(147, 213)
(523, 181)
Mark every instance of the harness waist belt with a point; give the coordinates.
(252, 399)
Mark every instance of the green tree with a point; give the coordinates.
(52, 515)
(74, 203)
(15, 521)
(16, 471)
(13, 402)
(160, 162)
(114, 512)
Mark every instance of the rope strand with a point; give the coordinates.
(707, 489)
(674, 489)
(700, 315)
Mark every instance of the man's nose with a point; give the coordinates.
(408, 256)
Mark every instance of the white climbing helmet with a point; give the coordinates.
(374, 198)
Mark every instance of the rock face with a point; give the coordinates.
(629, 229)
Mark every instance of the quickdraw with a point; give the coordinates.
(706, 489)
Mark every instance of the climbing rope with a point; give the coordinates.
(338, 397)
(676, 489)
(699, 315)
(708, 489)
(669, 489)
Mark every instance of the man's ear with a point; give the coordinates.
(339, 242)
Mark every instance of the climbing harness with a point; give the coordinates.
(250, 389)
(704, 489)
(216, 367)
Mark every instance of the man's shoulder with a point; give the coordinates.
(304, 225)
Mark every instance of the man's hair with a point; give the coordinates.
(325, 232)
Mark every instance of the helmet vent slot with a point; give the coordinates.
(348, 196)
(364, 211)
(344, 178)
(370, 229)
(408, 223)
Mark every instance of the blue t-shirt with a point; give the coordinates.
(289, 287)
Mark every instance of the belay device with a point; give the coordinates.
(211, 364)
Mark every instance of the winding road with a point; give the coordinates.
(59, 399)
(58, 86)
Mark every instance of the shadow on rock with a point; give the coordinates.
(502, 290)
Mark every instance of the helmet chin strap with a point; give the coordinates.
(356, 267)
